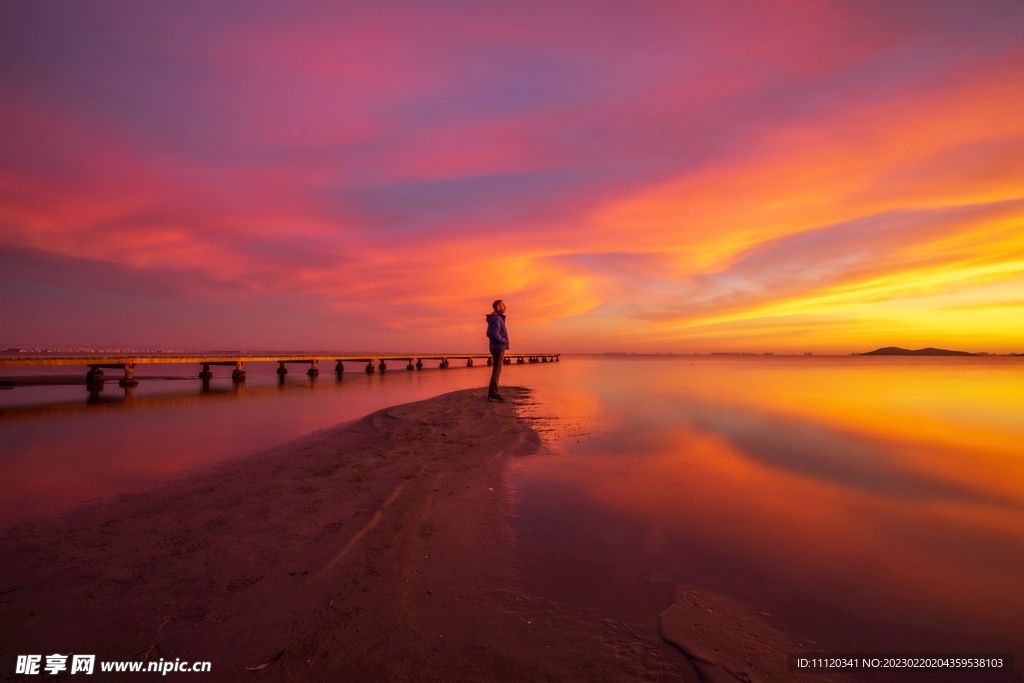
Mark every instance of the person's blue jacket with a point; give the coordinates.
(496, 332)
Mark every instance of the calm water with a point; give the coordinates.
(871, 504)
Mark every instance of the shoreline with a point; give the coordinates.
(378, 549)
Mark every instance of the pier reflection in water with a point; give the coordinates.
(126, 394)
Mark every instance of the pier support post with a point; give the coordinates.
(129, 376)
(339, 368)
(238, 374)
(469, 362)
(543, 359)
(369, 367)
(419, 364)
(443, 364)
(556, 359)
(205, 375)
(410, 367)
(281, 369)
(508, 361)
(313, 371)
(94, 382)
(382, 365)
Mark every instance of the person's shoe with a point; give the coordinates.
(496, 397)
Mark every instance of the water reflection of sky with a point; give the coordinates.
(866, 503)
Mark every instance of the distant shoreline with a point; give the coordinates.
(930, 351)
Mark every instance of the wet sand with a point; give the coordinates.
(377, 550)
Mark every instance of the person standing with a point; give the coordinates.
(497, 335)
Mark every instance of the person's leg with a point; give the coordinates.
(497, 360)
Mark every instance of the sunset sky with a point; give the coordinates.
(628, 176)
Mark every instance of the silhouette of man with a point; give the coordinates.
(497, 335)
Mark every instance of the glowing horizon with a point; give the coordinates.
(769, 177)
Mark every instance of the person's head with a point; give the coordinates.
(498, 305)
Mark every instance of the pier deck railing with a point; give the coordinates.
(128, 362)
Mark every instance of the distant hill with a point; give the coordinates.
(897, 351)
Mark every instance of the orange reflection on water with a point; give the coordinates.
(868, 501)
(956, 419)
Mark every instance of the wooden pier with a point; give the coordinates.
(97, 363)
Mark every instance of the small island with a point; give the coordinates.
(897, 351)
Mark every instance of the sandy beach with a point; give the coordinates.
(377, 550)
